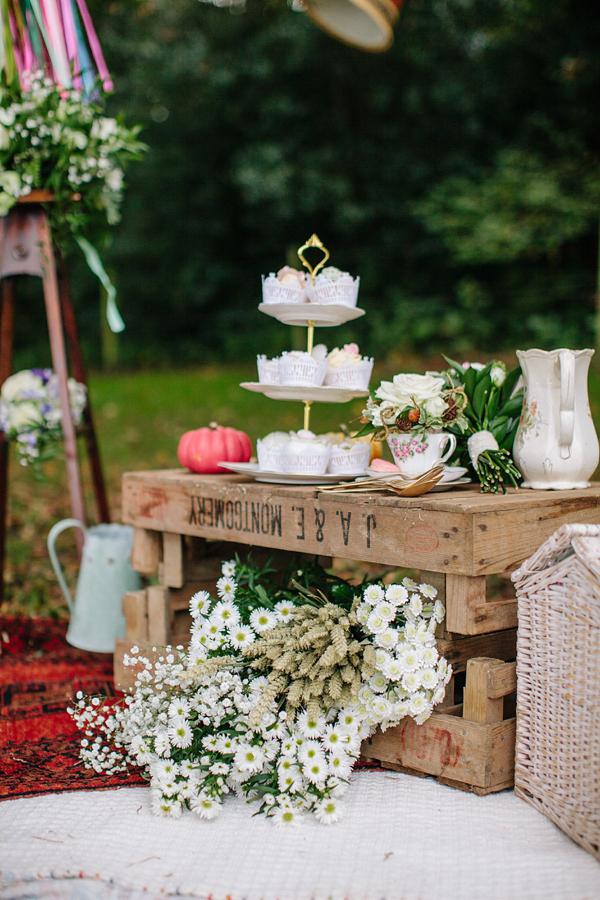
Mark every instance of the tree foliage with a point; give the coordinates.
(456, 173)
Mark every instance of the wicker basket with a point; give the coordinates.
(558, 682)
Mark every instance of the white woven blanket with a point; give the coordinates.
(403, 838)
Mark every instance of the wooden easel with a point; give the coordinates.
(26, 248)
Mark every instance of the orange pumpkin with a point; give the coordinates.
(202, 449)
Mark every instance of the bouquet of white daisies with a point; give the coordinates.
(275, 693)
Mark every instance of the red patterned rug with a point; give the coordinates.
(39, 676)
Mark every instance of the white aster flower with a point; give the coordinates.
(241, 636)
(373, 594)
(340, 763)
(284, 610)
(409, 658)
(396, 594)
(376, 623)
(262, 619)
(249, 758)
(199, 603)
(409, 584)
(439, 611)
(180, 733)
(381, 707)
(162, 745)
(226, 587)
(411, 682)
(165, 806)
(178, 708)
(363, 611)
(316, 769)
(334, 737)
(416, 604)
(429, 678)
(386, 639)
(428, 591)
(310, 727)
(420, 705)
(381, 657)
(226, 612)
(430, 655)
(378, 682)
(286, 815)
(328, 811)
(228, 568)
(219, 768)
(393, 670)
(385, 609)
(205, 806)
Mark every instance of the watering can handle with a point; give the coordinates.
(52, 535)
(567, 402)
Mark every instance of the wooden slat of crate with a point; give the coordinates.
(458, 532)
(460, 752)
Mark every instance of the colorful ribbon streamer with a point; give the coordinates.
(56, 36)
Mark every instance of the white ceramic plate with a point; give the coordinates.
(452, 474)
(445, 486)
(320, 394)
(253, 471)
(322, 314)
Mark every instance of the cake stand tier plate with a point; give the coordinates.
(253, 471)
(324, 315)
(321, 394)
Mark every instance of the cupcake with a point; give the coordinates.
(346, 368)
(268, 451)
(268, 370)
(349, 458)
(301, 368)
(305, 454)
(334, 286)
(287, 286)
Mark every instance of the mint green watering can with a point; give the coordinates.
(105, 575)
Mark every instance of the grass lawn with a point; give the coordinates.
(139, 419)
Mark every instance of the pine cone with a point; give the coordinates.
(403, 423)
(452, 412)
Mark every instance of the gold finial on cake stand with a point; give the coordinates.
(313, 241)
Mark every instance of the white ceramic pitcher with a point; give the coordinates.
(105, 575)
(556, 446)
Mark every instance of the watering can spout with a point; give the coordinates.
(105, 575)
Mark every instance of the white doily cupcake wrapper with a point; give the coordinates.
(268, 370)
(269, 458)
(349, 375)
(275, 292)
(344, 291)
(307, 462)
(346, 462)
(301, 371)
(478, 442)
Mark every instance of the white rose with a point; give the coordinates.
(436, 407)
(24, 414)
(21, 385)
(103, 128)
(406, 390)
(498, 374)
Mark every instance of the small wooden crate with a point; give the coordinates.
(468, 746)
(455, 539)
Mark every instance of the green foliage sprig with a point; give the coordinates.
(493, 405)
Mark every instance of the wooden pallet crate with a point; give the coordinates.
(462, 536)
(469, 746)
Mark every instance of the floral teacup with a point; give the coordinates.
(415, 454)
